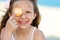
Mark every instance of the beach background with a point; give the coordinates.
(50, 17)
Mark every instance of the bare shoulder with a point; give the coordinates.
(38, 35)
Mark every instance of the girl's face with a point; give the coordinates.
(28, 14)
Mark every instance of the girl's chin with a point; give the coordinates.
(22, 27)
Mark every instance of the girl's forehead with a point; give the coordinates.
(23, 4)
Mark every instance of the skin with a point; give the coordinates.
(0, 37)
(21, 32)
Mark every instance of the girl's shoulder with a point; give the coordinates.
(38, 35)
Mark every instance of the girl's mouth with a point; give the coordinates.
(23, 22)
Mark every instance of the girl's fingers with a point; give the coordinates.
(13, 21)
(12, 17)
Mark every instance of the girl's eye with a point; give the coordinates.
(28, 12)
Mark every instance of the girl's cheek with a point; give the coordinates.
(17, 18)
(30, 16)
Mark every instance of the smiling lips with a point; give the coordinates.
(23, 22)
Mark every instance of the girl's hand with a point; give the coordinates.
(11, 26)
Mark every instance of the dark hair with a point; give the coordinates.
(35, 22)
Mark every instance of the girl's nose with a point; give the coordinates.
(23, 15)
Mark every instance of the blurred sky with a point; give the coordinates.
(47, 2)
(50, 12)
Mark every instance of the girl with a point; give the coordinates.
(23, 26)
